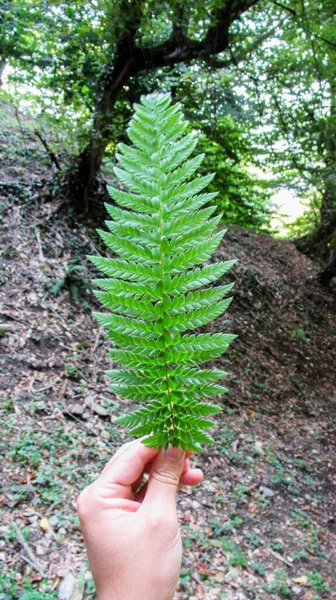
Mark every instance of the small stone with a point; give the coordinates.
(296, 589)
(234, 445)
(232, 575)
(39, 550)
(75, 409)
(62, 531)
(33, 519)
(66, 587)
(53, 521)
(267, 492)
(105, 434)
(44, 524)
(219, 577)
(78, 592)
(100, 410)
(95, 407)
(4, 529)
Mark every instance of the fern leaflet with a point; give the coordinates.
(160, 231)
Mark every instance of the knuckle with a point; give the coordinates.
(156, 521)
(161, 523)
(81, 505)
(84, 503)
(166, 477)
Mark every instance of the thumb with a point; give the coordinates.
(165, 476)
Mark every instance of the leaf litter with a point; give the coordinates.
(262, 525)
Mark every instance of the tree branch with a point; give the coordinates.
(180, 23)
(169, 53)
(292, 11)
(48, 150)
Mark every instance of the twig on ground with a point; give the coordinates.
(30, 554)
(7, 327)
(97, 340)
(279, 557)
(12, 185)
(39, 244)
(44, 388)
(93, 247)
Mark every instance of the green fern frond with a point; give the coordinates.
(156, 290)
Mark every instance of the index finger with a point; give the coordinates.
(128, 464)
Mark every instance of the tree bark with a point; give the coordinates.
(321, 243)
(3, 62)
(128, 61)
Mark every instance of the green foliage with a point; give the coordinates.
(309, 221)
(290, 78)
(153, 292)
(258, 568)
(218, 114)
(317, 582)
(9, 589)
(299, 333)
(279, 585)
(62, 57)
(235, 555)
(243, 199)
(73, 280)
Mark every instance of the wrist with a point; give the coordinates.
(112, 594)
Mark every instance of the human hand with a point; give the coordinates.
(132, 537)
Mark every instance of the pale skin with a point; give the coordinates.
(132, 536)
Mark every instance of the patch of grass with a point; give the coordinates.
(25, 451)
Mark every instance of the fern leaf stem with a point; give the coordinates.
(162, 272)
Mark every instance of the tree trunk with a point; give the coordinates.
(321, 244)
(328, 274)
(128, 61)
(86, 167)
(3, 62)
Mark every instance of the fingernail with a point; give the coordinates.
(174, 454)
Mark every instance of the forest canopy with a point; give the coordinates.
(256, 79)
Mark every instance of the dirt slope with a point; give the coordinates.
(286, 352)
